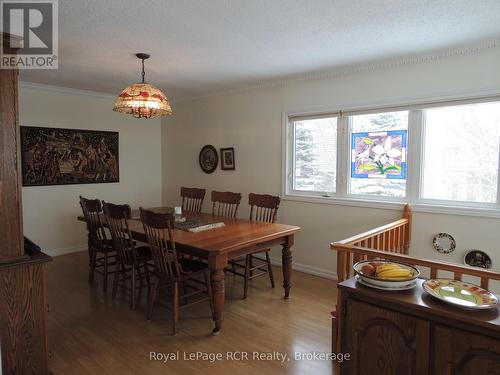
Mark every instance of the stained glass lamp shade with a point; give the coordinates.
(142, 100)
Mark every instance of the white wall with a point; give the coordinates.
(50, 212)
(251, 120)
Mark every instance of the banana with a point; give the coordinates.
(388, 266)
(393, 271)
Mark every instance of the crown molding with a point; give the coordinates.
(65, 90)
(353, 69)
(337, 72)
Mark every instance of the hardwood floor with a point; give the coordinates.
(90, 334)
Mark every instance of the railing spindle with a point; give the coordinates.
(434, 273)
(484, 282)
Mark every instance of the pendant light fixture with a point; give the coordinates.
(142, 100)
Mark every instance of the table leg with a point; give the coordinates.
(286, 260)
(92, 259)
(217, 279)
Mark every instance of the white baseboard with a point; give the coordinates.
(316, 271)
(66, 250)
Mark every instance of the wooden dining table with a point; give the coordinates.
(237, 238)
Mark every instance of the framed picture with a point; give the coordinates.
(227, 159)
(54, 156)
(379, 155)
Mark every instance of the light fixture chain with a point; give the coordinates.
(143, 72)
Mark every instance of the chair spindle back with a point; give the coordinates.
(92, 211)
(225, 203)
(116, 218)
(263, 207)
(192, 199)
(158, 229)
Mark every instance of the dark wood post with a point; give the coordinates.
(23, 279)
(11, 225)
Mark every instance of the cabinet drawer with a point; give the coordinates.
(384, 342)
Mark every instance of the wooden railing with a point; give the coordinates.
(434, 266)
(394, 237)
(391, 241)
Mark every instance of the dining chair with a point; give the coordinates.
(225, 203)
(171, 271)
(192, 199)
(263, 207)
(102, 254)
(132, 259)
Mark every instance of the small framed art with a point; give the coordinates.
(227, 159)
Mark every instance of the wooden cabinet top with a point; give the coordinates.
(418, 303)
(26, 260)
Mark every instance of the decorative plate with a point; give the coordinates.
(477, 258)
(444, 243)
(461, 294)
(208, 159)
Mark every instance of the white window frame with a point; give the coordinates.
(289, 160)
(415, 162)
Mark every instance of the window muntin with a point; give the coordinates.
(384, 160)
(315, 155)
(461, 150)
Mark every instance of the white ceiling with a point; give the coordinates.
(200, 47)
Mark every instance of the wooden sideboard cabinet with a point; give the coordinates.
(396, 333)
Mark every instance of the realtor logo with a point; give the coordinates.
(31, 40)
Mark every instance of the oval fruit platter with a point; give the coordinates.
(386, 275)
(461, 294)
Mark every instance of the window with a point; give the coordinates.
(438, 155)
(461, 153)
(315, 155)
(378, 154)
